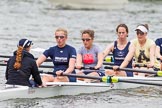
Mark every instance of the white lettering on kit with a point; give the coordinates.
(61, 59)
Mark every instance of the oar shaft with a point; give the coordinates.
(133, 70)
(108, 63)
(74, 75)
(82, 76)
(140, 82)
(47, 60)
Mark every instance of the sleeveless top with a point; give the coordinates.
(119, 55)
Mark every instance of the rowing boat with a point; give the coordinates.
(61, 88)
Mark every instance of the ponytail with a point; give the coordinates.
(17, 64)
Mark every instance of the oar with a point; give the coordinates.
(108, 63)
(84, 69)
(111, 79)
(42, 66)
(135, 65)
(158, 73)
(47, 60)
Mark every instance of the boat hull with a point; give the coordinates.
(60, 89)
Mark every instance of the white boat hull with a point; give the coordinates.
(90, 4)
(61, 88)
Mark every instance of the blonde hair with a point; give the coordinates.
(63, 30)
(18, 61)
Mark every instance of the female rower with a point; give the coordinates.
(63, 57)
(89, 55)
(145, 49)
(159, 50)
(21, 66)
(123, 52)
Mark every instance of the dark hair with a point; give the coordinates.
(88, 31)
(122, 25)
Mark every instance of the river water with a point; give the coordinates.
(38, 19)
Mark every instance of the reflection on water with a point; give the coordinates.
(37, 20)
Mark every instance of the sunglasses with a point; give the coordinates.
(87, 39)
(140, 33)
(61, 37)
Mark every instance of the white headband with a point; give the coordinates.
(142, 28)
(25, 43)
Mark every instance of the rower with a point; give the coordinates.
(89, 55)
(145, 50)
(21, 66)
(122, 51)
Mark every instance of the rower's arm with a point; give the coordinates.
(152, 55)
(79, 61)
(100, 60)
(40, 60)
(71, 65)
(129, 56)
(108, 50)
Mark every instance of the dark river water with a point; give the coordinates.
(38, 19)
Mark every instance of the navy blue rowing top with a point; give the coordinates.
(119, 55)
(61, 56)
(159, 43)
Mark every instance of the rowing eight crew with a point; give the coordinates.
(65, 58)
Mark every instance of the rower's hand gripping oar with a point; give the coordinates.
(158, 73)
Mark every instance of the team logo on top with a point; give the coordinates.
(120, 53)
(61, 51)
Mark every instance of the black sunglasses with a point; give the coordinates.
(61, 37)
(87, 39)
(139, 32)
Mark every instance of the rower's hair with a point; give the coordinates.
(88, 31)
(18, 61)
(63, 30)
(122, 25)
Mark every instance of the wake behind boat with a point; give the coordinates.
(90, 4)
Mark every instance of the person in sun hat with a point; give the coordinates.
(145, 50)
(89, 55)
(63, 57)
(123, 52)
(21, 66)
